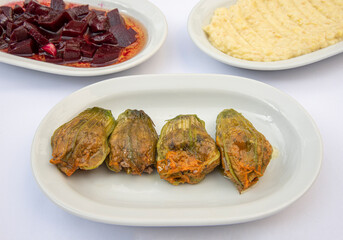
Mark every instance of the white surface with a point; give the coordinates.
(142, 10)
(147, 200)
(26, 96)
(201, 15)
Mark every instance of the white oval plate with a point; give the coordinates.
(146, 200)
(142, 10)
(201, 15)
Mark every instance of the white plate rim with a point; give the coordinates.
(131, 220)
(193, 28)
(154, 42)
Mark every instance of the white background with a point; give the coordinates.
(26, 96)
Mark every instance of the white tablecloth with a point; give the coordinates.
(26, 96)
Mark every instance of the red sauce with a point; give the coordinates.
(125, 54)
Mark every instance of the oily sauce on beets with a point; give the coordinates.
(125, 54)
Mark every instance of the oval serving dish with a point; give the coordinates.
(119, 198)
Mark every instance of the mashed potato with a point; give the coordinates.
(272, 30)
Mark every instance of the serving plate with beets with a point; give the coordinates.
(82, 38)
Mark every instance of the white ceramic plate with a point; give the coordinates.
(201, 15)
(142, 10)
(104, 196)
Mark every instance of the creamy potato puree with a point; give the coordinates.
(272, 30)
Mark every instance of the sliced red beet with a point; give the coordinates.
(58, 5)
(124, 36)
(3, 20)
(74, 28)
(18, 9)
(69, 15)
(99, 12)
(106, 54)
(133, 32)
(23, 48)
(37, 36)
(25, 17)
(34, 7)
(51, 36)
(55, 20)
(60, 45)
(99, 23)
(54, 59)
(42, 11)
(87, 50)
(80, 11)
(102, 38)
(89, 17)
(72, 51)
(114, 18)
(3, 44)
(19, 34)
(8, 11)
(9, 28)
(26, 2)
